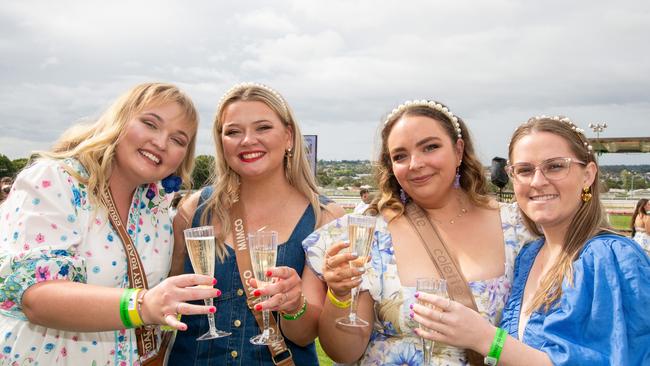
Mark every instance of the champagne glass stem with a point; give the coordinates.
(213, 328)
(265, 318)
(427, 348)
(354, 303)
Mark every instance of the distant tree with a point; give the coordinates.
(203, 168)
(323, 178)
(19, 164)
(7, 168)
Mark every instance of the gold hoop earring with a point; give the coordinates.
(586, 194)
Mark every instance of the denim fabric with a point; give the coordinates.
(232, 310)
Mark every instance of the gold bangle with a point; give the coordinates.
(336, 302)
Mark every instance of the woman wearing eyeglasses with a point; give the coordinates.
(579, 294)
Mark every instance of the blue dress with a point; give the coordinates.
(233, 314)
(603, 319)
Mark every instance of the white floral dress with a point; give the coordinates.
(393, 341)
(49, 230)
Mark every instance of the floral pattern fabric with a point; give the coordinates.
(393, 340)
(643, 239)
(50, 230)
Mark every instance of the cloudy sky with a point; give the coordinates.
(342, 65)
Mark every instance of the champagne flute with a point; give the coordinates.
(438, 287)
(264, 251)
(200, 248)
(360, 234)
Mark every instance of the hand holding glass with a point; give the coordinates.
(264, 250)
(434, 286)
(360, 234)
(200, 248)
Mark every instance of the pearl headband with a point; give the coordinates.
(245, 85)
(578, 130)
(430, 104)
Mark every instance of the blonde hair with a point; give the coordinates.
(225, 181)
(585, 223)
(472, 177)
(94, 145)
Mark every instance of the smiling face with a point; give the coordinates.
(254, 139)
(153, 145)
(550, 203)
(423, 158)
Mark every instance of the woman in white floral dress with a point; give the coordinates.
(63, 268)
(426, 157)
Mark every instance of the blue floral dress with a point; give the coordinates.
(49, 230)
(643, 239)
(393, 340)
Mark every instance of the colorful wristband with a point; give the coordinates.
(133, 311)
(297, 314)
(124, 308)
(336, 302)
(499, 340)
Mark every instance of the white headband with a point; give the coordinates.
(430, 104)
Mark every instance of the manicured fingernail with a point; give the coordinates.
(411, 315)
(411, 306)
(213, 309)
(354, 255)
(258, 307)
(417, 294)
(362, 269)
(218, 292)
(257, 293)
(214, 281)
(183, 327)
(269, 273)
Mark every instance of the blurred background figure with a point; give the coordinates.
(366, 198)
(5, 187)
(641, 224)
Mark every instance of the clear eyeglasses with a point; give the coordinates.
(552, 169)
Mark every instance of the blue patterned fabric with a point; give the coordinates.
(233, 314)
(603, 318)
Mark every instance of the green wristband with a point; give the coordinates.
(298, 314)
(499, 340)
(124, 308)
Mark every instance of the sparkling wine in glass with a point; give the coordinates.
(264, 251)
(360, 234)
(434, 286)
(200, 248)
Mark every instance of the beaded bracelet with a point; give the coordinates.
(336, 302)
(124, 308)
(297, 314)
(499, 340)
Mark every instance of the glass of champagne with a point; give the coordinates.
(264, 251)
(360, 234)
(434, 286)
(201, 248)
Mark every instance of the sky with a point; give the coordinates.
(341, 65)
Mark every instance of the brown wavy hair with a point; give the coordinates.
(472, 177)
(585, 223)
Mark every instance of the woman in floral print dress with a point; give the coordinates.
(63, 268)
(426, 157)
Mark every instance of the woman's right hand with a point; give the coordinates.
(162, 303)
(337, 272)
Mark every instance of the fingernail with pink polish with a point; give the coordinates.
(258, 307)
(257, 293)
(411, 306)
(411, 314)
(218, 292)
(214, 281)
(269, 273)
(183, 327)
(213, 310)
(417, 294)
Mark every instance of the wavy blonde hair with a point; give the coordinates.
(472, 177)
(585, 223)
(226, 182)
(94, 145)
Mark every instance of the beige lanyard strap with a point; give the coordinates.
(145, 336)
(447, 267)
(242, 253)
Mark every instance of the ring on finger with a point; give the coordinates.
(448, 304)
(440, 317)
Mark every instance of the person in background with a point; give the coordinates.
(580, 294)
(640, 224)
(65, 297)
(366, 198)
(261, 167)
(426, 159)
(5, 187)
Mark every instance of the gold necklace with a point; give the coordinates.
(461, 213)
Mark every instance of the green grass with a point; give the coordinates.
(620, 222)
(322, 357)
